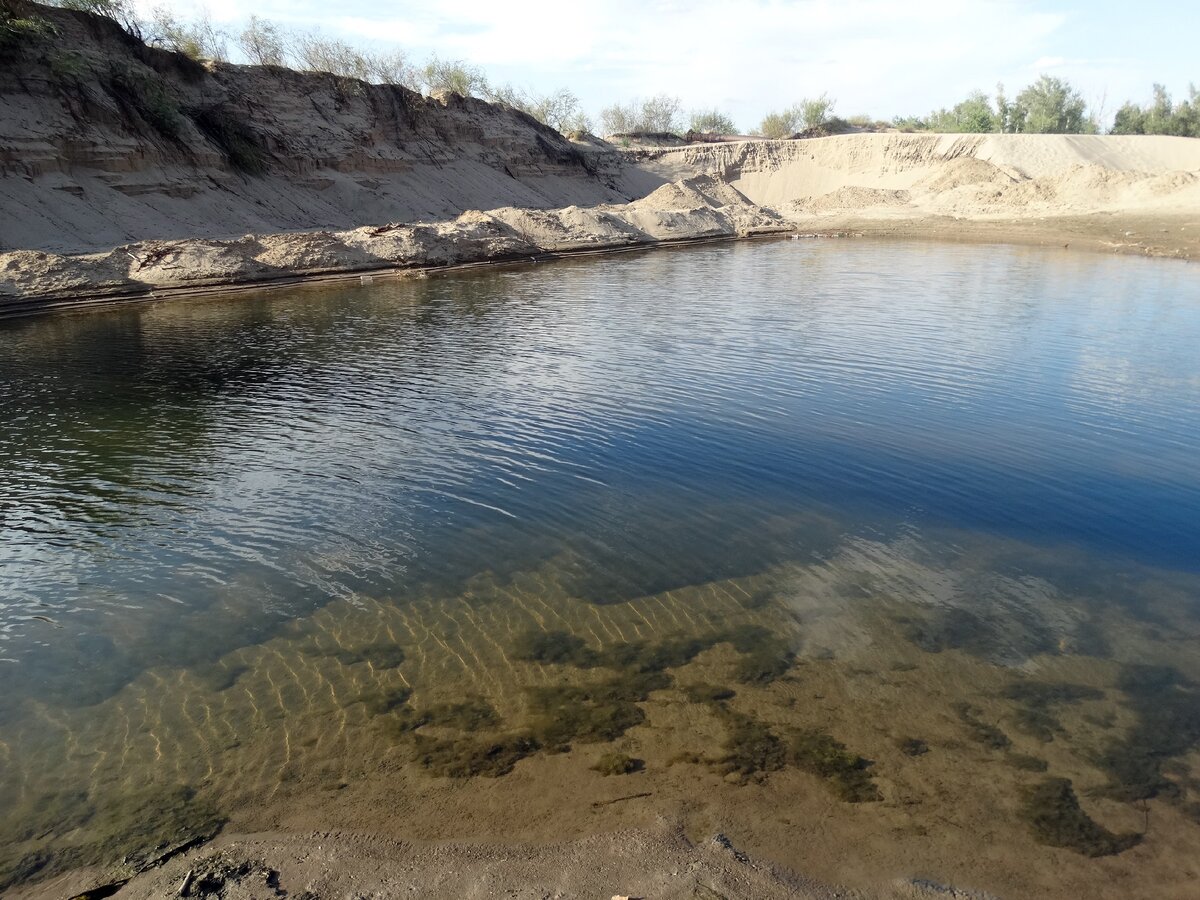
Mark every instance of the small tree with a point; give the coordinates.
(657, 114)
(1051, 106)
(1003, 110)
(783, 124)
(711, 121)
(452, 77)
(619, 119)
(973, 115)
(197, 40)
(660, 113)
(263, 43)
(815, 112)
(1130, 119)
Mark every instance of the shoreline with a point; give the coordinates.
(1163, 236)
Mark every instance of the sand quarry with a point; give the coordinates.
(352, 180)
(261, 175)
(1126, 194)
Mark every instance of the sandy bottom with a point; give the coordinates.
(307, 747)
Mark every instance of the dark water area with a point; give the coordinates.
(180, 482)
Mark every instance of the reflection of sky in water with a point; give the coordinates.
(645, 415)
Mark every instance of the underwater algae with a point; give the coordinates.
(1053, 813)
(615, 763)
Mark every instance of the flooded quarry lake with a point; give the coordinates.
(881, 559)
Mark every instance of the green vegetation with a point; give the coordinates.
(708, 693)
(845, 772)
(911, 746)
(471, 714)
(981, 732)
(656, 115)
(1036, 699)
(711, 121)
(592, 713)
(145, 95)
(1161, 116)
(763, 655)
(1167, 707)
(810, 113)
(19, 26)
(1047, 106)
(386, 702)
(466, 759)
(752, 749)
(1026, 763)
(553, 647)
(137, 827)
(1053, 813)
(618, 764)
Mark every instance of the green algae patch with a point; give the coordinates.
(553, 648)
(845, 772)
(561, 714)
(702, 692)
(751, 748)
(1037, 700)
(1053, 813)
(1026, 763)
(911, 746)
(472, 758)
(1167, 709)
(618, 764)
(638, 656)
(763, 656)
(981, 732)
(471, 714)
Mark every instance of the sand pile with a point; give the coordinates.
(966, 176)
(696, 208)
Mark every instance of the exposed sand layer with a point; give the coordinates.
(694, 209)
(130, 143)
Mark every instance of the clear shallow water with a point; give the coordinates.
(1001, 431)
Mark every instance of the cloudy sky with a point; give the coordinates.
(751, 56)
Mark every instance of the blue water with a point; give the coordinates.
(645, 413)
(185, 480)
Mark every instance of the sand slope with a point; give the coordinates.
(970, 176)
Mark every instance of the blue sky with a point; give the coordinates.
(748, 57)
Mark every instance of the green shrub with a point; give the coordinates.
(17, 29)
(711, 121)
(148, 98)
(66, 66)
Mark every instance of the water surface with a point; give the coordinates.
(247, 545)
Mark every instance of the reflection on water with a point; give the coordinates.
(906, 533)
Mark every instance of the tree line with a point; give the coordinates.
(1047, 106)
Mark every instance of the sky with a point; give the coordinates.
(749, 57)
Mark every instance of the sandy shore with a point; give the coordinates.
(1106, 196)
